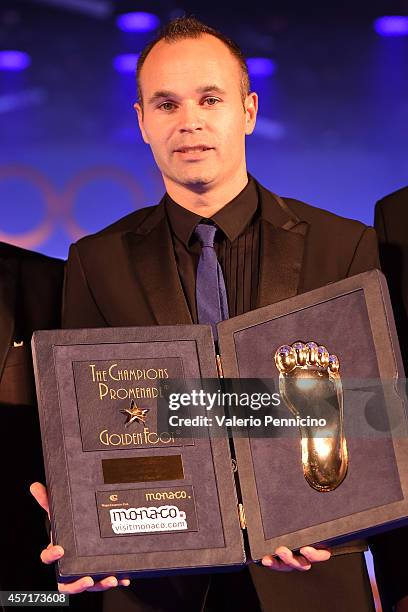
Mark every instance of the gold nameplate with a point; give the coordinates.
(142, 469)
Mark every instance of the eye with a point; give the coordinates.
(211, 101)
(167, 106)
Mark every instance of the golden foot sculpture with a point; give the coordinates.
(310, 385)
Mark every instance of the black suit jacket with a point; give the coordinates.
(391, 222)
(127, 275)
(30, 298)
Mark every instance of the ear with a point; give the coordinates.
(251, 110)
(138, 108)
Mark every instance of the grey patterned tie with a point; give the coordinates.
(211, 295)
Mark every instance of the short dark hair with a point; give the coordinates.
(183, 28)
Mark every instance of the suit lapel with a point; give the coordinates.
(134, 277)
(282, 246)
(155, 269)
(8, 275)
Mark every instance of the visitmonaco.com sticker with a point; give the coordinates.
(147, 519)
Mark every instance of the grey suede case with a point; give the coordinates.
(83, 378)
(353, 319)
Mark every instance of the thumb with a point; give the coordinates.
(39, 492)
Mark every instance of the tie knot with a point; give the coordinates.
(205, 234)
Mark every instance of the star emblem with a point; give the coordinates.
(134, 413)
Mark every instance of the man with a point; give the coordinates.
(391, 223)
(194, 110)
(30, 299)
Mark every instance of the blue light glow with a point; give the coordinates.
(126, 62)
(138, 22)
(261, 66)
(391, 25)
(14, 60)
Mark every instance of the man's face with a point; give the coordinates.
(193, 115)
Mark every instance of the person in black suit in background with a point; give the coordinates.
(391, 223)
(30, 299)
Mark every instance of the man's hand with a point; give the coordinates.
(54, 552)
(286, 561)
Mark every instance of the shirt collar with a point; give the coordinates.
(232, 219)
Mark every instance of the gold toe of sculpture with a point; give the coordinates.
(310, 385)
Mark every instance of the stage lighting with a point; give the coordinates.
(101, 9)
(14, 60)
(260, 66)
(391, 25)
(137, 22)
(126, 62)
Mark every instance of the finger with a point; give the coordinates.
(83, 584)
(39, 492)
(87, 584)
(51, 554)
(104, 584)
(297, 562)
(274, 563)
(315, 555)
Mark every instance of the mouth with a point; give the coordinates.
(195, 149)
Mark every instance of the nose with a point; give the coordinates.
(191, 118)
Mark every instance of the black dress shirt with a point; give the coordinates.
(237, 244)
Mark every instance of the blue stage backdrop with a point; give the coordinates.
(332, 127)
